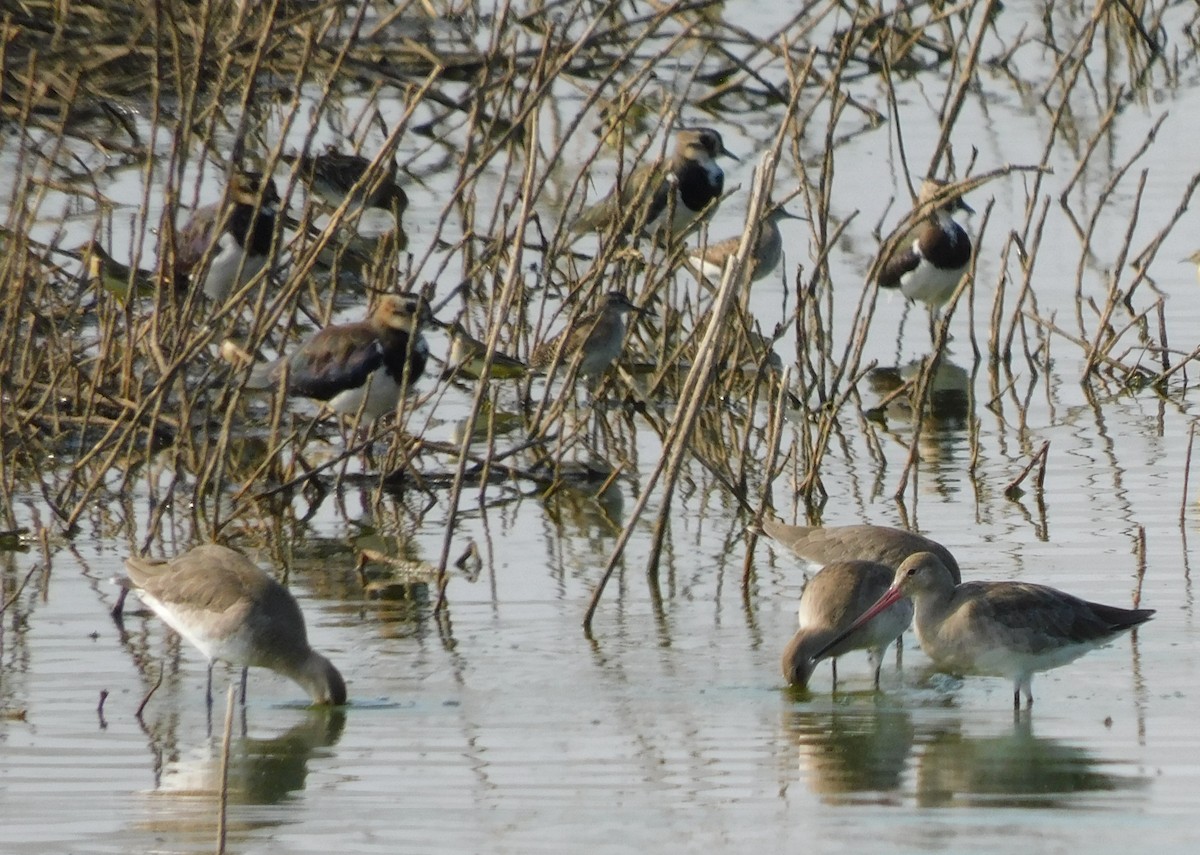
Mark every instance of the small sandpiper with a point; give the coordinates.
(930, 261)
(594, 340)
(467, 355)
(368, 364)
(692, 173)
(231, 609)
(332, 176)
(764, 256)
(998, 629)
(831, 601)
(247, 226)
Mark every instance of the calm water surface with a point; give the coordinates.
(501, 728)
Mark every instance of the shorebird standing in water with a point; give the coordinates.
(368, 364)
(932, 258)
(593, 341)
(467, 355)
(820, 545)
(997, 629)
(231, 609)
(764, 255)
(121, 280)
(333, 175)
(831, 602)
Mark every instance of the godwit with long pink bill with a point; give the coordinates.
(996, 629)
(831, 601)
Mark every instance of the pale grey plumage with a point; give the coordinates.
(832, 600)
(820, 545)
(594, 340)
(999, 629)
(764, 255)
(230, 609)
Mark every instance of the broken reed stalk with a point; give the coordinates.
(1013, 489)
(507, 298)
(774, 468)
(1028, 255)
(141, 707)
(966, 83)
(223, 792)
(1103, 340)
(692, 396)
(182, 65)
(1187, 473)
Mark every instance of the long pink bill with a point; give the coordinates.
(890, 596)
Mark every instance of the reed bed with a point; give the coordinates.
(513, 117)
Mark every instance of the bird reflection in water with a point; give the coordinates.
(864, 750)
(262, 771)
(1014, 769)
(860, 748)
(949, 400)
(943, 436)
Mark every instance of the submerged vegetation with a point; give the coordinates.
(505, 121)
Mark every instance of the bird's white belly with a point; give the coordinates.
(708, 269)
(381, 392)
(993, 658)
(930, 284)
(198, 628)
(223, 276)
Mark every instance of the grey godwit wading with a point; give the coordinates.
(998, 629)
(821, 545)
(930, 261)
(831, 602)
(241, 231)
(691, 173)
(230, 609)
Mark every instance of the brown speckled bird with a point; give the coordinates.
(594, 340)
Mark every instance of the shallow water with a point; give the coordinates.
(500, 727)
